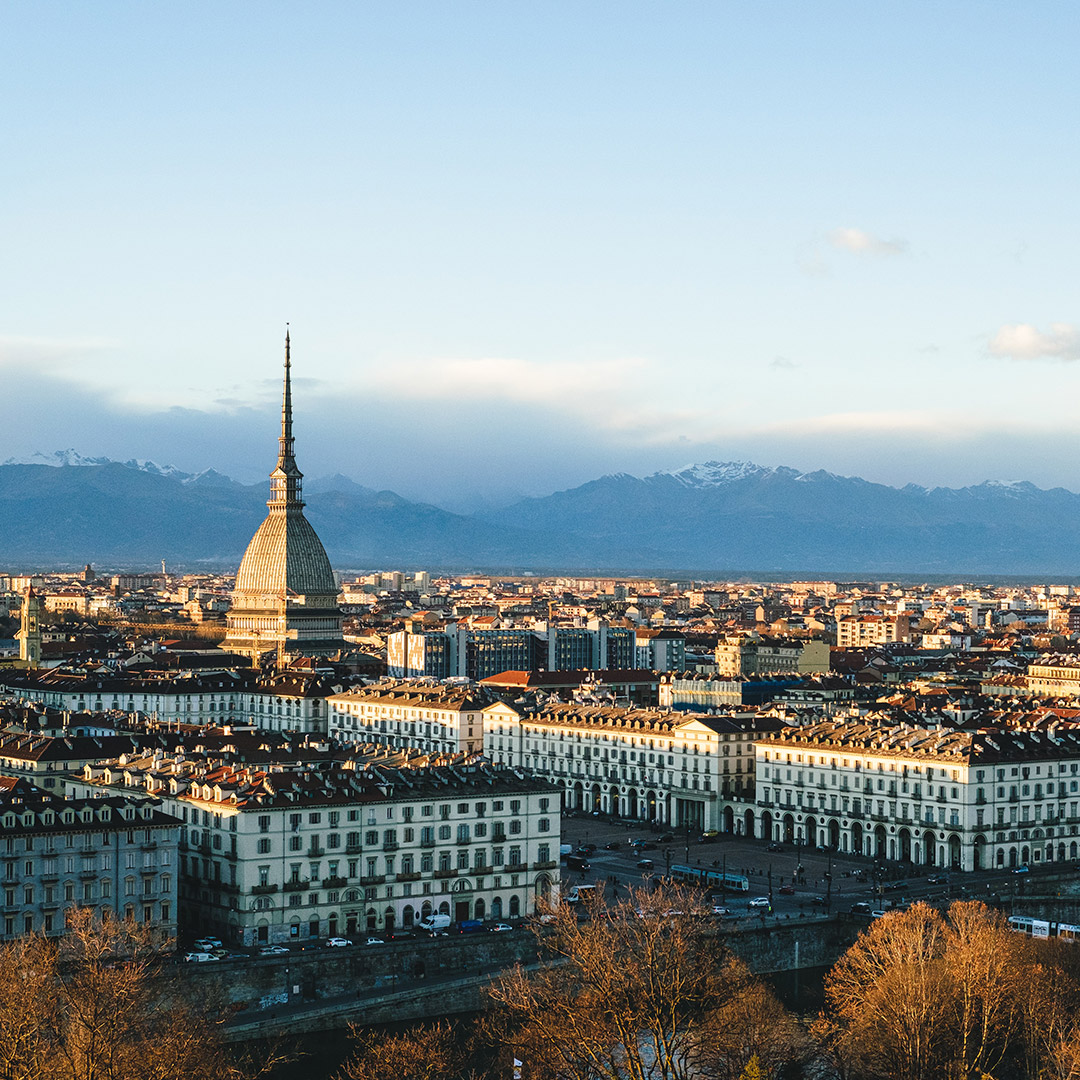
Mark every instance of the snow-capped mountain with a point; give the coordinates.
(706, 519)
(71, 458)
(715, 473)
(737, 515)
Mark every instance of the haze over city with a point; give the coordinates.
(523, 247)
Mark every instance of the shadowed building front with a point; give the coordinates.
(285, 598)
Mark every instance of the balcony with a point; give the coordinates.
(484, 868)
(515, 868)
(334, 882)
(390, 845)
(549, 865)
(446, 873)
(88, 875)
(316, 852)
(353, 849)
(149, 845)
(407, 877)
(428, 843)
(463, 841)
(296, 886)
(262, 890)
(373, 879)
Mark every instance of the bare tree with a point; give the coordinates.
(985, 966)
(749, 1030)
(423, 1053)
(93, 1005)
(923, 995)
(887, 993)
(627, 995)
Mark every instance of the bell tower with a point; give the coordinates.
(29, 632)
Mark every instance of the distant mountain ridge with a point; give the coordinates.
(707, 518)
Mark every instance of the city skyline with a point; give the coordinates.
(522, 249)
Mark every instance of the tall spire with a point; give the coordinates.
(285, 479)
(285, 443)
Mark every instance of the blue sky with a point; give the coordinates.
(522, 245)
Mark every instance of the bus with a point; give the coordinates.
(710, 879)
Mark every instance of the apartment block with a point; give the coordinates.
(645, 764)
(435, 718)
(277, 854)
(934, 797)
(118, 855)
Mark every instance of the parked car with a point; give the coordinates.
(205, 944)
(878, 914)
(774, 846)
(373, 941)
(644, 864)
(198, 957)
(819, 901)
(787, 890)
(860, 908)
(501, 928)
(1021, 869)
(666, 838)
(338, 942)
(273, 950)
(760, 902)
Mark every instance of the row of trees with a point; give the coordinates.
(650, 993)
(644, 990)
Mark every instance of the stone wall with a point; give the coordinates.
(423, 978)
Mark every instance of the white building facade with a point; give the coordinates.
(933, 797)
(434, 718)
(645, 764)
(277, 855)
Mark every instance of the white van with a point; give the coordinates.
(434, 924)
(580, 893)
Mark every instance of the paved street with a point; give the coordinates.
(852, 876)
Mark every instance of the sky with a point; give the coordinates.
(523, 245)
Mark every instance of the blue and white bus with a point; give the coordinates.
(710, 879)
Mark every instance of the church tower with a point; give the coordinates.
(29, 632)
(285, 598)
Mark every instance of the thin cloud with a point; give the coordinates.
(860, 242)
(45, 354)
(782, 363)
(1022, 341)
(508, 379)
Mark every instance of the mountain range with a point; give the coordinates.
(707, 519)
